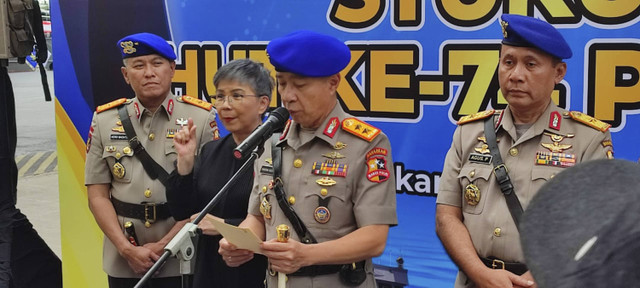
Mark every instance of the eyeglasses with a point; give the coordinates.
(235, 98)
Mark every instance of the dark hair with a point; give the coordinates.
(249, 72)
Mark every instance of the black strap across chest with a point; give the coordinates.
(153, 169)
(276, 156)
(500, 170)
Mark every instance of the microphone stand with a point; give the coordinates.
(181, 245)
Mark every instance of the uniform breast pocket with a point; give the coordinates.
(329, 205)
(474, 181)
(542, 174)
(170, 154)
(120, 161)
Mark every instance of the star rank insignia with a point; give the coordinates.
(360, 129)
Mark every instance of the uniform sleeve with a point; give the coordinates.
(598, 147)
(254, 198)
(449, 191)
(375, 194)
(96, 169)
(209, 127)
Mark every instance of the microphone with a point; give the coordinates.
(276, 120)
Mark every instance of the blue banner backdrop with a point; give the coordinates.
(417, 66)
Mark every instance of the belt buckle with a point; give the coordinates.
(499, 263)
(501, 166)
(149, 220)
(135, 144)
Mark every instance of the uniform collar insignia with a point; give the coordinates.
(170, 107)
(555, 120)
(332, 127)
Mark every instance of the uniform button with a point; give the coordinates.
(118, 155)
(292, 200)
(297, 163)
(472, 173)
(147, 224)
(513, 152)
(324, 192)
(264, 189)
(147, 193)
(497, 231)
(152, 136)
(126, 150)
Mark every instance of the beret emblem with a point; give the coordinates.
(127, 47)
(504, 25)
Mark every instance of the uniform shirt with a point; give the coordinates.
(364, 195)
(489, 222)
(107, 142)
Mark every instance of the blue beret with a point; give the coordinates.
(309, 54)
(142, 44)
(526, 31)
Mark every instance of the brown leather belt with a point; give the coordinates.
(513, 267)
(148, 212)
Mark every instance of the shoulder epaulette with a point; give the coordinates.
(359, 128)
(589, 121)
(196, 102)
(476, 116)
(112, 104)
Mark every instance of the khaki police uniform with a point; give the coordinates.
(554, 142)
(107, 145)
(336, 181)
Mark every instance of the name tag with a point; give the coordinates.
(480, 158)
(266, 170)
(118, 137)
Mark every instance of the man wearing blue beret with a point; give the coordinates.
(495, 166)
(326, 177)
(130, 153)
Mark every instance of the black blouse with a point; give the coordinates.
(189, 194)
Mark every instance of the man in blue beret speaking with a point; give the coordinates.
(326, 177)
(499, 159)
(129, 156)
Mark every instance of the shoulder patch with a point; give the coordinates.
(196, 102)
(589, 121)
(112, 104)
(476, 116)
(359, 128)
